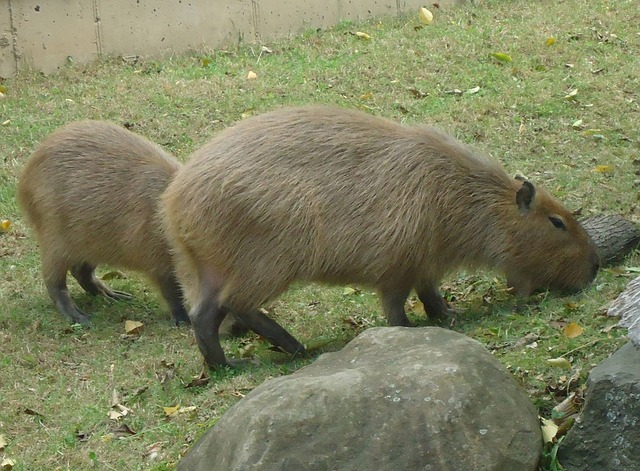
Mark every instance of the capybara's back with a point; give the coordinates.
(334, 195)
(91, 192)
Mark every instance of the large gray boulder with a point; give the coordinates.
(394, 398)
(606, 436)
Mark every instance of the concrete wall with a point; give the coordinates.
(42, 34)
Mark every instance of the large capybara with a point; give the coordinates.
(91, 191)
(334, 195)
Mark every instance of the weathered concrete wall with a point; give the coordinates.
(42, 34)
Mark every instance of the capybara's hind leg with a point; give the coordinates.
(85, 274)
(232, 326)
(434, 304)
(55, 279)
(263, 325)
(393, 300)
(172, 293)
(206, 318)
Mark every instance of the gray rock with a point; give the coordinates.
(393, 399)
(607, 434)
(627, 308)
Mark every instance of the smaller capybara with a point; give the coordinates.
(333, 195)
(91, 191)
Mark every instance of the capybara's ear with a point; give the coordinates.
(525, 196)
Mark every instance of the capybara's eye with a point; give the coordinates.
(557, 222)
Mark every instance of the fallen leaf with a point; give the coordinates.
(473, 90)
(549, 430)
(6, 121)
(115, 415)
(550, 41)
(199, 380)
(123, 431)
(115, 397)
(185, 410)
(455, 91)
(153, 451)
(572, 306)
(348, 291)
(571, 95)
(417, 93)
(133, 327)
(425, 16)
(572, 330)
(577, 124)
(603, 169)
(169, 411)
(32, 412)
(4, 89)
(366, 96)
(559, 363)
(362, 35)
(3, 442)
(7, 464)
(205, 61)
(501, 56)
(252, 75)
(5, 224)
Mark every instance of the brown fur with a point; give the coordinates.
(334, 195)
(91, 192)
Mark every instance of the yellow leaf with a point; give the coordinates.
(205, 61)
(603, 169)
(348, 291)
(366, 96)
(362, 35)
(169, 411)
(549, 430)
(115, 415)
(559, 363)
(133, 327)
(550, 41)
(7, 464)
(425, 16)
(501, 56)
(185, 410)
(5, 224)
(572, 330)
(577, 124)
(3, 89)
(252, 75)
(571, 95)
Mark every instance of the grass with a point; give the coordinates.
(57, 382)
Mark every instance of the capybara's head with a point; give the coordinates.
(549, 248)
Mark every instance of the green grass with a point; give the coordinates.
(57, 382)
